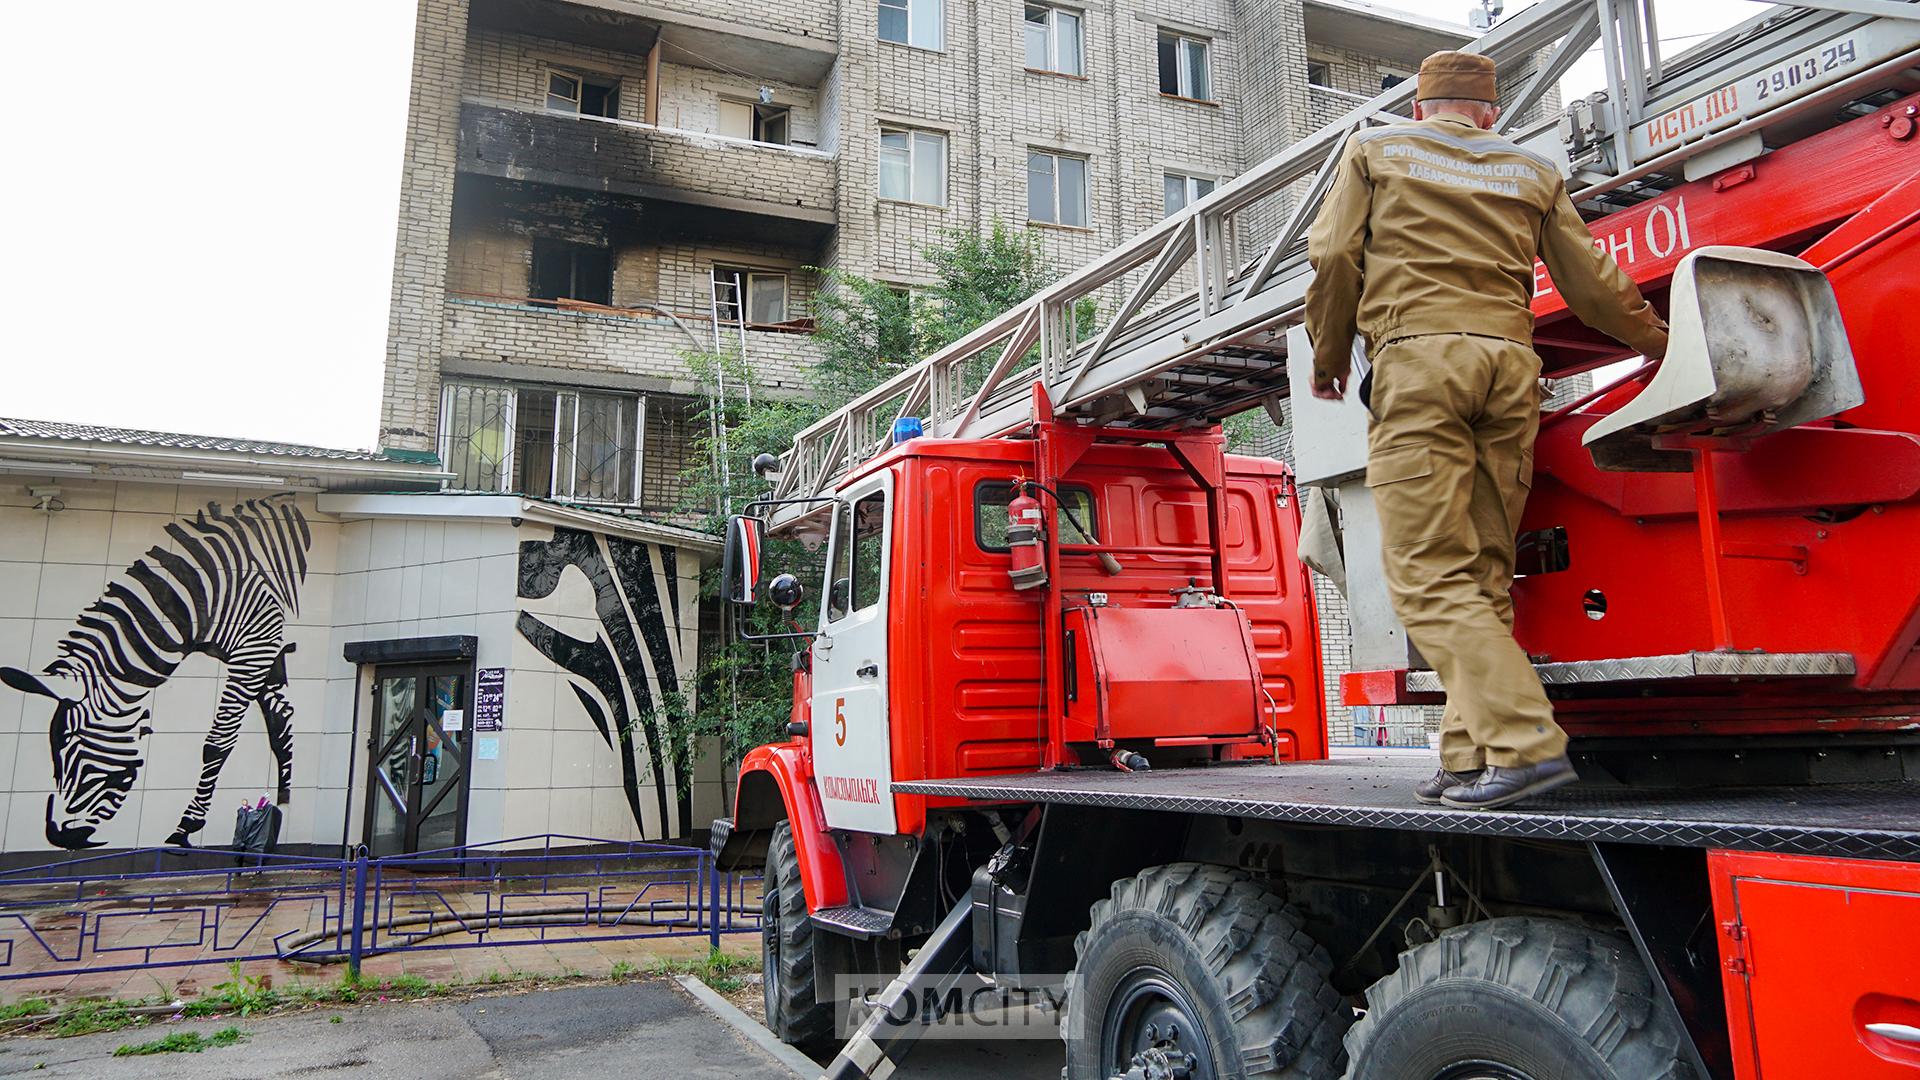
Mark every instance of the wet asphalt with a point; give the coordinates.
(632, 1029)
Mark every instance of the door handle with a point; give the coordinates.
(1905, 1033)
(868, 671)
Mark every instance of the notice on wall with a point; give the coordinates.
(486, 749)
(490, 699)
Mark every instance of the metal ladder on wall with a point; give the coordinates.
(725, 294)
(1219, 348)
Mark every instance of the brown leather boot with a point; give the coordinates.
(1429, 790)
(1499, 786)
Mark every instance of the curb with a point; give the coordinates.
(795, 1061)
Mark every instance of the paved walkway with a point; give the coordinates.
(648, 1028)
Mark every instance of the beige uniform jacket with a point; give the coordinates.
(1431, 227)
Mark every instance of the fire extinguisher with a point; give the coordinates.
(1026, 537)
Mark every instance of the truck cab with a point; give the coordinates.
(927, 658)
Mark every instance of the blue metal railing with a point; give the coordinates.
(173, 907)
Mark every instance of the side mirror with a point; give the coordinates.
(786, 592)
(740, 560)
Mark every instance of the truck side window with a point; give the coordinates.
(869, 548)
(840, 581)
(990, 499)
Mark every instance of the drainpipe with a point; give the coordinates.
(353, 758)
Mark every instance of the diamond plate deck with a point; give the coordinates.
(1879, 821)
(1691, 665)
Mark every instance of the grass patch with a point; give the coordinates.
(88, 1017)
(722, 971)
(406, 987)
(24, 1007)
(243, 995)
(252, 995)
(181, 1042)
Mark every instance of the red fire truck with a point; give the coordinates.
(1061, 725)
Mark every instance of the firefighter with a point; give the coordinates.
(1425, 247)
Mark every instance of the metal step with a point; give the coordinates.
(1687, 665)
(860, 922)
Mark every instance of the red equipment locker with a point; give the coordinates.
(1816, 953)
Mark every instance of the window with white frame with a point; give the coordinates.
(588, 95)
(1053, 40)
(763, 291)
(541, 441)
(1183, 67)
(913, 166)
(1056, 188)
(912, 22)
(1181, 191)
(1319, 73)
(759, 123)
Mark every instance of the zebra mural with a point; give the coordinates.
(609, 669)
(226, 591)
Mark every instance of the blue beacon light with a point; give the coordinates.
(907, 427)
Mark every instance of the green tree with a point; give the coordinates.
(980, 276)
(868, 331)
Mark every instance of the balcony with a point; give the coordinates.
(788, 184)
(792, 41)
(507, 336)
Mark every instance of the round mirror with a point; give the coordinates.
(786, 592)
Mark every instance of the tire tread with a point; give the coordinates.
(802, 1018)
(1276, 979)
(1592, 980)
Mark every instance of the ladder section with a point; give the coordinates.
(1193, 312)
(727, 304)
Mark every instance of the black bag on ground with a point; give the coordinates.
(256, 829)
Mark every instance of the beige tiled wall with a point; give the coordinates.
(368, 579)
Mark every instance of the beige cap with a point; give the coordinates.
(1463, 76)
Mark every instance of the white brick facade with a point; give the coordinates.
(655, 198)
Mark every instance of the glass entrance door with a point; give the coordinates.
(417, 787)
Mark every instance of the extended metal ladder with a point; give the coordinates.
(725, 294)
(1219, 347)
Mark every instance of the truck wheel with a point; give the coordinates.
(794, 1009)
(1193, 972)
(1517, 999)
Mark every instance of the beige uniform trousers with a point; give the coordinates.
(1450, 460)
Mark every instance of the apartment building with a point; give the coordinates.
(594, 188)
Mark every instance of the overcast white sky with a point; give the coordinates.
(203, 197)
